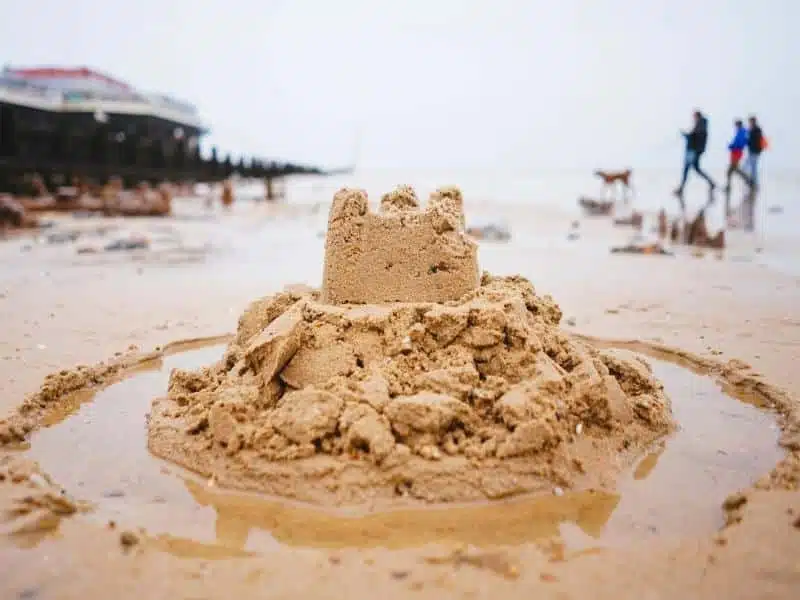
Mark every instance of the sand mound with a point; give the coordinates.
(480, 397)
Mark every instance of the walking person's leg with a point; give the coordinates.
(752, 169)
(749, 211)
(749, 166)
(728, 175)
(688, 160)
(738, 170)
(703, 174)
(753, 162)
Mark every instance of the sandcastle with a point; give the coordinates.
(429, 385)
(402, 254)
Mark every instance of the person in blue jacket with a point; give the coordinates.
(736, 149)
(696, 141)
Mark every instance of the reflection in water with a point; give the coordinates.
(509, 523)
(647, 464)
(722, 445)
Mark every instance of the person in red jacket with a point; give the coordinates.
(736, 149)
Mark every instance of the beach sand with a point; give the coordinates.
(61, 309)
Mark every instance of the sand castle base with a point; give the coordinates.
(478, 397)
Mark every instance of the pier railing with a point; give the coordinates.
(24, 93)
(60, 135)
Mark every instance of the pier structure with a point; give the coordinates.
(63, 124)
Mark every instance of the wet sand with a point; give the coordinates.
(62, 310)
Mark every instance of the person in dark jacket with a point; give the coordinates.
(696, 140)
(755, 145)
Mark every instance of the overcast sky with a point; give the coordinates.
(441, 83)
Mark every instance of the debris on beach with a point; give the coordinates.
(696, 233)
(109, 200)
(131, 242)
(62, 237)
(574, 231)
(648, 248)
(490, 232)
(134, 242)
(596, 208)
(662, 225)
(13, 215)
(635, 219)
(408, 377)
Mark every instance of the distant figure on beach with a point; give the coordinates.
(756, 144)
(227, 193)
(696, 140)
(736, 149)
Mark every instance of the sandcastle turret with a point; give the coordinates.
(401, 254)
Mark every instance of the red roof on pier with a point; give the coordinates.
(66, 73)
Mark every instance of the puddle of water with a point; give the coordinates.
(722, 445)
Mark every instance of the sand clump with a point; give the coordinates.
(33, 505)
(480, 396)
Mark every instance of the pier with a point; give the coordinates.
(68, 124)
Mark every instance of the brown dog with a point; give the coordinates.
(611, 178)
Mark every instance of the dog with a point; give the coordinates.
(610, 178)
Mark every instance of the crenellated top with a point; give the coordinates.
(404, 253)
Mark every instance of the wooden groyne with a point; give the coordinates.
(93, 138)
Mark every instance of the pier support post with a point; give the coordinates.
(270, 192)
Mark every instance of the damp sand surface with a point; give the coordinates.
(676, 489)
(70, 310)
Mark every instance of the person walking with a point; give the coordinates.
(736, 149)
(756, 144)
(696, 141)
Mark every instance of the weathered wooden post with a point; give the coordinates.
(227, 166)
(214, 166)
(270, 192)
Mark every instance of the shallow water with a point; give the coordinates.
(539, 206)
(97, 450)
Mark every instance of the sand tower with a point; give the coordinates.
(401, 254)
